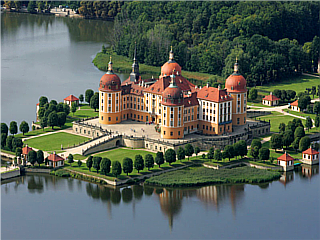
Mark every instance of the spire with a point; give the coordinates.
(236, 66)
(135, 52)
(110, 70)
(134, 75)
(171, 55)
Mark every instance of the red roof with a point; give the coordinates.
(285, 157)
(310, 151)
(54, 157)
(110, 82)
(26, 150)
(71, 98)
(295, 103)
(159, 86)
(169, 66)
(214, 94)
(37, 104)
(191, 100)
(271, 98)
(236, 83)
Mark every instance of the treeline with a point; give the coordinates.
(272, 40)
(100, 9)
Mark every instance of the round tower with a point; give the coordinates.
(110, 97)
(172, 124)
(236, 84)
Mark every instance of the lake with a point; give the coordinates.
(47, 56)
(48, 207)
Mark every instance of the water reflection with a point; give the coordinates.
(286, 178)
(309, 171)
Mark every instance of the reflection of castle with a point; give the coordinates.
(309, 170)
(178, 106)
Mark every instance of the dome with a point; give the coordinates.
(110, 82)
(236, 82)
(172, 95)
(169, 66)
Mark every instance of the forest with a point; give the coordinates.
(272, 40)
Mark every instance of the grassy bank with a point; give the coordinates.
(199, 176)
(123, 64)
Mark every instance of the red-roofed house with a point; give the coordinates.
(286, 162)
(270, 100)
(294, 106)
(25, 152)
(55, 160)
(70, 99)
(310, 156)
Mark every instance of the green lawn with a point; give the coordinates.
(79, 157)
(276, 118)
(312, 116)
(9, 152)
(298, 84)
(85, 113)
(54, 141)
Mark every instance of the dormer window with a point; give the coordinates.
(231, 87)
(109, 87)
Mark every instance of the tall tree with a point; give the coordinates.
(217, 155)
(94, 101)
(196, 151)
(138, 163)
(189, 150)
(105, 165)
(127, 165)
(159, 159)
(43, 101)
(43, 122)
(53, 119)
(299, 132)
(62, 118)
(9, 142)
(70, 159)
(308, 123)
(89, 163)
(73, 108)
(116, 168)
(88, 94)
(264, 153)
(79, 163)
(149, 161)
(170, 156)
(40, 157)
(32, 157)
(81, 98)
(13, 127)
(287, 138)
(181, 153)
(229, 151)
(276, 141)
(304, 143)
(317, 121)
(96, 163)
(4, 128)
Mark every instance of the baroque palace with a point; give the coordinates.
(176, 105)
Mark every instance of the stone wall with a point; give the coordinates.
(12, 174)
(105, 145)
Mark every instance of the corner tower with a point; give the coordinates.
(110, 97)
(236, 84)
(172, 125)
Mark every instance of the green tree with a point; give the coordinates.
(299, 132)
(254, 152)
(43, 101)
(127, 165)
(149, 161)
(4, 128)
(40, 157)
(3, 139)
(41, 112)
(276, 141)
(217, 155)
(138, 163)
(203, 156)
(253, 94)
(32, 157)
(256, 143)
(89, 163)
(277, 93)
(170, 156)
(9, 142)
(18, 151)
(105, 166)
(16, 142)
(229, 151)
(88, 94)
(243, 150)
(81, 98)
(308, 123)
(210, 154)
(189, 150)
(73, 108)
(13, 127)
(53, 119)
(295, 143)
(70, 159)
(116, 168)
(60, 107)
(79, 163)
(43, 122)
(282, 127)
(62, 118)
(264, 153)
(316, 108)
(66, 109)
(304, 143)
(159, 159)
(94, 101)
(96, 163)
(196, 151)
(181, 153)
(303, 102)
(287, 138)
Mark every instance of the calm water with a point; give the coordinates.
(48, 207)
(45, 55)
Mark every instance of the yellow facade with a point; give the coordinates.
(239, 109)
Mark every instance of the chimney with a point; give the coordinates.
(271, 93)
(207, 84)
(219, 87)
(126, 84)
(54, 152)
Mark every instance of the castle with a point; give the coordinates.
(171, 101)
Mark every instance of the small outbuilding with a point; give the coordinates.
(25, 152)
(54, 160)
(294, 106)
(286, 162)
(71, 99)
(310, 156)
(270, 100)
